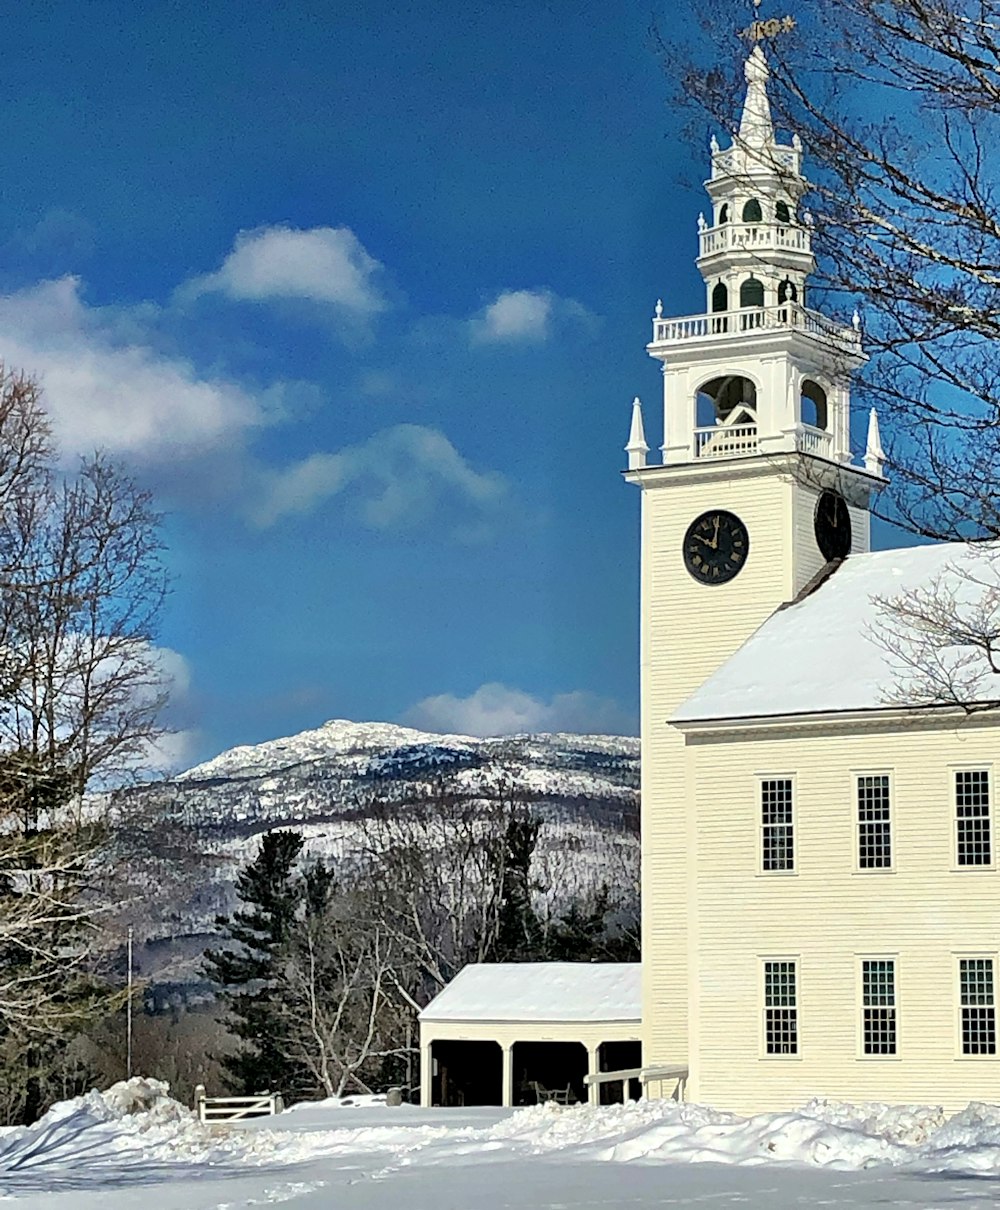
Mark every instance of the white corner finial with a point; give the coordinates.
(874, 453)
(659, 308)
(713, 145)
(856, 323)
(796, 142)
(637, 449)
(701, 222)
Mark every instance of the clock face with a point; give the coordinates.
(716, 546)
(832, 524)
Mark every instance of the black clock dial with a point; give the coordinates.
(832, 524)
(716, 546)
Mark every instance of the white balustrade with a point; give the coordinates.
(755, 235)
(738, 440)
(725, 441)
(738, 161)
(812, 440)
(753, 319)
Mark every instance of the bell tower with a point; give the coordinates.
(756, 492)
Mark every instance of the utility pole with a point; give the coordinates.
(128, 1010)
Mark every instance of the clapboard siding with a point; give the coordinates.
(828, 914)
(687, 631)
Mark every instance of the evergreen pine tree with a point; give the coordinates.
(519, 932)
(583, 934)
(245, 966)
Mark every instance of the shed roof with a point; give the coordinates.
(821, 655)
(540, 991)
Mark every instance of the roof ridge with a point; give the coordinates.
(810, 586)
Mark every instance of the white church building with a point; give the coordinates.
(820, 884)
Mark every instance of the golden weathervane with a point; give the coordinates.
(771, 27)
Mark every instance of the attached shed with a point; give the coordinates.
(515, 1033)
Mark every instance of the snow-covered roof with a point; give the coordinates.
(540, 991)
(820, 655)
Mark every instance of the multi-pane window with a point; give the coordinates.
(979, 1014)
(777, 848)
(874, 826)
(878, 1006)
(972, 817)
(781, 1024)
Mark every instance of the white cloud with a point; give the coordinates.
(322, 265)
(495, 709)
(105, 388)
(523, 317)
(400, 476)
(176, 747)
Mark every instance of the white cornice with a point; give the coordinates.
(750, 466)
(893, 718)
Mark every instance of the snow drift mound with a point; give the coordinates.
(823, 1133)
(135, 1120)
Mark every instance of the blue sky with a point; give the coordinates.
(362, 292)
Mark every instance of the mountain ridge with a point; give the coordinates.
(191, 833)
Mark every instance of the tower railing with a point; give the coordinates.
(738, 440)
(725, 441)
(758, 236)
(751, 161)
(736, 324)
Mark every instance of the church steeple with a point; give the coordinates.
(755, 495)
(757, 361)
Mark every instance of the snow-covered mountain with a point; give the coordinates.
(191, 833)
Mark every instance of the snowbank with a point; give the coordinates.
(824, 1133)
(137, 1126)
(135, 1121)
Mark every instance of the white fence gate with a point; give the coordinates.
(234, 1109)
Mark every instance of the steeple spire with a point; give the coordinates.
(756, 127)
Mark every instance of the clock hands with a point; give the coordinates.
(713, 542)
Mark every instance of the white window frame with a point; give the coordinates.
(764, 961)
(856, 777)
(759, 808)
(953, 772)
(861, 960)
(977, 956)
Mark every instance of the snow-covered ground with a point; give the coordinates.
(133, 1148)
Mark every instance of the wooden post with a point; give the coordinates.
(199, 1101)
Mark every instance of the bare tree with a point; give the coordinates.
(439, 868)
(942, 638)
(83, 688)
(81, 584)
(338, 986)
